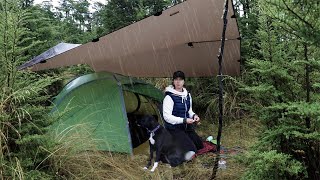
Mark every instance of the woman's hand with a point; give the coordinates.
(189, 121)
(196, 118)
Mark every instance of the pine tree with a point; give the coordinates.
(283, 83)
(247, 15)
(22, 110)
(119, 13)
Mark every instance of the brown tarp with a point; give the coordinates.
(184, 37)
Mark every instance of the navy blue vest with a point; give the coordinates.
(180, 109)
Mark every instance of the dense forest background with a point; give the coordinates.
(278, 88)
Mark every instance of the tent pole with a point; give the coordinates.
(220, 79)
(124, 112)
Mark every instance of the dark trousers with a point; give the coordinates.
(188, 139)
(195, 138)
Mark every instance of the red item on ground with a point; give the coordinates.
(207, 147)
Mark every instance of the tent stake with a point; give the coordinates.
(220, 79)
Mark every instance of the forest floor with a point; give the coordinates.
(237, 137)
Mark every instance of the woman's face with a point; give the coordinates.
(178, 83)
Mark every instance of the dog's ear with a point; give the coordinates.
(153, 121)
(155, 117)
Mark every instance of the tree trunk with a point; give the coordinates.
(308, 87)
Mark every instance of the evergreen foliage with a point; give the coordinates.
(280, 82)
(23, 120)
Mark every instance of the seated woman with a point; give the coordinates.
(179, 118)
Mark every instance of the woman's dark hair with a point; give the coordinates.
(178, 74)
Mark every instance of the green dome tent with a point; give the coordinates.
(104, 104)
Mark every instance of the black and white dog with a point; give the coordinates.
(167, 149)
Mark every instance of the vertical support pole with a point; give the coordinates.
(220, 79)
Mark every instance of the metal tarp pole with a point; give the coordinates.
(220, 79)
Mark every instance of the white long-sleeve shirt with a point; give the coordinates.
(168, 106)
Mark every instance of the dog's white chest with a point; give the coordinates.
(152, 141)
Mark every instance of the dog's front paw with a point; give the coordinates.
(155, 165)
(145, 168)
